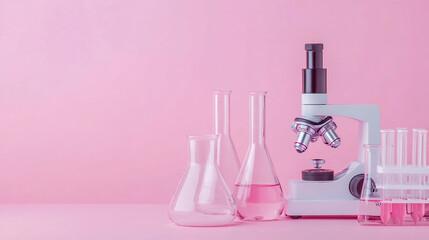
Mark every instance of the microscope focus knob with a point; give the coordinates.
(317, 162)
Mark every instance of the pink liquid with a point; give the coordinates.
(386, 211)
(259, 202)
(369, 212)
(417, 212)
(392, 213)
(399, 211)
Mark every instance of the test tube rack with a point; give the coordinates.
(404, 184)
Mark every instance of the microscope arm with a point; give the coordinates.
(367, 115)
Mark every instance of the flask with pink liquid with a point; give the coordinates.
(257, 191)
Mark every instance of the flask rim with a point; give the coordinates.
(222, 91)
(257, 93)
(203, 137)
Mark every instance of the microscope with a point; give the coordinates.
(321, 192)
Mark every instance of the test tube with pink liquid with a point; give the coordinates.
(419, 162)
(397, 192)
(387, 160)
(399, 207)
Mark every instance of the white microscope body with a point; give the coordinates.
(339, 196)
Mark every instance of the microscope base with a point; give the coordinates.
(297, 208)
(327, 198)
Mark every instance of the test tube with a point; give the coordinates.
(417, 207)
(419, 156)
(423, 133)
(399, 209)
(422, 147)
(387, 160)
(425, 165)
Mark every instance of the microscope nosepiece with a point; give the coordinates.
(309, 131)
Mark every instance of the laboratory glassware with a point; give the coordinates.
(419, 161)
(257, 191)
(398, 189)
(202, 198)
(370, 202)
(228, 162)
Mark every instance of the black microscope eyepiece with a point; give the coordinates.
(314, 46)
(314, 76)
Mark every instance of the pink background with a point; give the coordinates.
(97, 97)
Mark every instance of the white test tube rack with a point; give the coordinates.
(405, 182)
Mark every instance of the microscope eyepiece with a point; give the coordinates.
(314, 76)
(314, 46)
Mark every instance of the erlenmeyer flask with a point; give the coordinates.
(202, 198)
(228, 162)
(371, 205)
(257, 191)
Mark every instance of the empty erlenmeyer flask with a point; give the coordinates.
(228, 160)
(202, 198)
(257, 191)
(371, 206)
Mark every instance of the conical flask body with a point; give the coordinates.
(257, 191)
(202, 198)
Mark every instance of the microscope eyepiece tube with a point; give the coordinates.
(314, 76)
(315, 59)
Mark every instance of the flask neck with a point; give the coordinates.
(221, 112)
(203, 149)
(257, 117)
